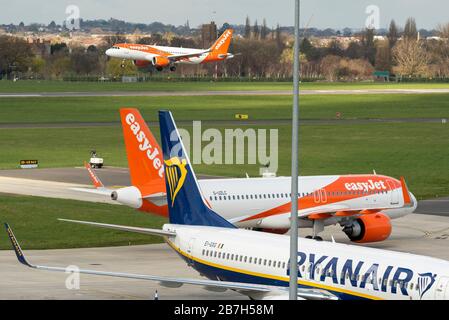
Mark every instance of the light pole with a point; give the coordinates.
(293, 292)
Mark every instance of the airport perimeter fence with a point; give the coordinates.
(170, 78)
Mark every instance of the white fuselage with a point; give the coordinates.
(147, 53)
(253, 202)
(348, 271)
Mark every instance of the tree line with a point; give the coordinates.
(263, 53)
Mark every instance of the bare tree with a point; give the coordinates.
(411, 58)
(443, 30)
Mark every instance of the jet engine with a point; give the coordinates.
(129, 196)
(369, 228)
(160, 62)
(142, 64)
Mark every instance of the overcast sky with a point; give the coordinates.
(321, 13)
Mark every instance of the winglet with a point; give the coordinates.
(95, 180)
(405, 192)
(16, 246)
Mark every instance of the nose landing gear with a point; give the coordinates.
(318, 226)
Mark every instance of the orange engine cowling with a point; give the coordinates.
(160, 61)
(369, 228)
(142, 63)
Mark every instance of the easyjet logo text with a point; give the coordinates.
(223, 40)
(144, 143)
(366, 186)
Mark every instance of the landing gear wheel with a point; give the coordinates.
(317, 238)
(159, 68)
(173, 68)
(309, 237)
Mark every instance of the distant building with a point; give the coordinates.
(40, 47)
(208, 34)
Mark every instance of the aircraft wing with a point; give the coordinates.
(156, 232)
(171, 282)
(177, 57)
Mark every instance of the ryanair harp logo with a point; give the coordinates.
(175, 172)
(425, 282)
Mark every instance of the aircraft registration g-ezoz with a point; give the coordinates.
(256, 264)
(362, 204)
(162, 57)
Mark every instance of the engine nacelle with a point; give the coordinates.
(160, 61)
(129, 196)
(142, 64)
(369, 228)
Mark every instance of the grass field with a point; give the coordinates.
(105, 109)
(61, 86)
(34, 221)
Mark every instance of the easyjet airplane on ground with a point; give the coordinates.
(256, 264)
(362, 204)
(161, 57)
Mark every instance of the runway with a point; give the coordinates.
(230, 123)
(217, 93)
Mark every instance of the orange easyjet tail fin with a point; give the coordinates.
(144, 153)
(221, 46)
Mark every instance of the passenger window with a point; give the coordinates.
(232, 256)
(219, 255)
(219, 197)
(215, 254)
(265, 262)
(250, 260)
(244, 260)
(241, 258)
(204, 251)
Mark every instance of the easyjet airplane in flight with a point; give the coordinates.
(362, 204)
(256, 264)
(167, 57)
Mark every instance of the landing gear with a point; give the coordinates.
(172, 68)
(318, 227)
(122, 65)
(317, 238)
(159, 68)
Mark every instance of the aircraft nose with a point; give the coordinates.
(109, 52)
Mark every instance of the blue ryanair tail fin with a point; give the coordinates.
(185, 202)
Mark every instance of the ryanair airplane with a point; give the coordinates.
(256, 264)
